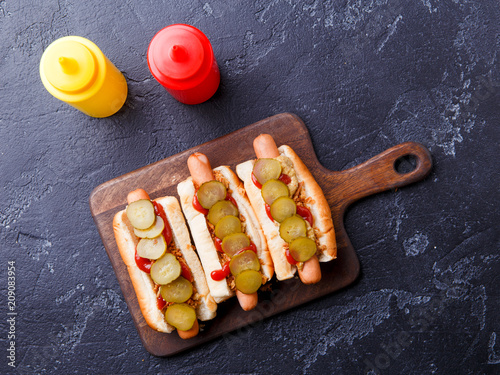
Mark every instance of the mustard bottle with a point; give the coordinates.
(74, 70)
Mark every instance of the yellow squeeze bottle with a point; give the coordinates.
(74, 70)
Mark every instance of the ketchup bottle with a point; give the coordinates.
(181, 59)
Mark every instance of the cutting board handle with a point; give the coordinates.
(380, 173)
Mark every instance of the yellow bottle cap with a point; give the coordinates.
(69, 66)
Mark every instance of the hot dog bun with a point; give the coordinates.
(313, 199)
(142, 282)
(203, 240)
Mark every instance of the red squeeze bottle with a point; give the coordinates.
(181, 59)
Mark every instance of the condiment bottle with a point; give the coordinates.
(181, 59)
(74, 70)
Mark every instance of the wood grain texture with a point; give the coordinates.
(341, 189)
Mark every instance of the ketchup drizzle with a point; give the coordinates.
(167, 231)
(218, 244)
(144, 264)
(230, 198)
(268, 212)
(186, 272)
(252, 247)
(289, 257)
(160, 302)
(306, 214)
(197, 205)
(285, 178)
(255, 182)
(221, 274)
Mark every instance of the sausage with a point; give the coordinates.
(311, 271)
(247, 301)
(201, 171)
(200, 168)
(265, 147)
(191, 332)
(136, 195)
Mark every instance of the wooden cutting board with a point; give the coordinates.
(341, 189)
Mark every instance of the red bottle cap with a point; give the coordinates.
(181, 58)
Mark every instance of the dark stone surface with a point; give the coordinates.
(364, 76)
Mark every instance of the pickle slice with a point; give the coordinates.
(211, 192)
(221, 209)
(179, 290)
(166, 269)
(248, 281)
(152, 248)
(302, 249)
(227, 225)
(247, 260)
(141, 214)
(292, 228)
(266, 169)
(153, 231)
(233, 243)
(272, 190)
(181, 316)
(282, 208)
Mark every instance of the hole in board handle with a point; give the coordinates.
(405, 164)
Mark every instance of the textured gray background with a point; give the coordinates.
(364, 76)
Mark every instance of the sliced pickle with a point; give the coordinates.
(152, 248)
(302, 249)
(248, 281)
(233, 243)
(292, 228)
(179, 290)
(247, 260)
(153, 231)
(221, 209)
(272, 190)
(211, 192)
(227, 225)
(282, 208)
(266, 169)
(181, 316)
(166, 269)
(141, 214)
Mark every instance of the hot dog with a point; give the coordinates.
(154, 243)
(227, 234)
(300, 213)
